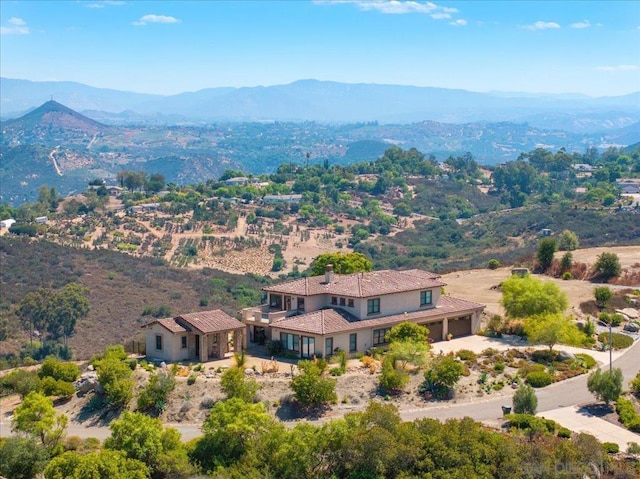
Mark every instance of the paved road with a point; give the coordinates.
(566, 393)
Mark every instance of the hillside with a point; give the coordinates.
(120, 286)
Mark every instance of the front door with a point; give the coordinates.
(198, 347)
(308, 347)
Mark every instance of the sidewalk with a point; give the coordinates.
(579, 421)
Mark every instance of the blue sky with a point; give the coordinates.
(170, 47)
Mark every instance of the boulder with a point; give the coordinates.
(632, 327)
(565, 356)
(87, 383)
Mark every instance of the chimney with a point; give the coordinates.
(328, 274)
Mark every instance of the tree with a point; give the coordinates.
(228, 431)
(568, 241)
(96, 465)
(115, 377)
(546, 249)
(132, 180)
(310, 388)
(552, 328)
(603, 295)
(21, 458)
(155, 183)
(443, 375)
(343, 263)
(566, 262)
(392, 379)
(605, 386)
(528, 296)
(608, 266)
(409, 351)
(236, 385)
(525, 400)
(407, 330)
(37, 417)
(144, 439)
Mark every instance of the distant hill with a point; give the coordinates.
(326, 101)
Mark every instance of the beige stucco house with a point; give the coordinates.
(319, 314)
(197, 336)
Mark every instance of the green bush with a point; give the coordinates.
(494, 264)
(21, 382)
(620, 341)
(56, 369)
(132, 363)
(587, 361)
(529, 421)
(610, 447)
(392, 379)
(153, 397)
(498, 367)
(191, 379)
(564, 433)
(56, 387)
(614, 319)
(628, 415)
(567, 276)
(539, 379)
(544, 356)
(466, 355)
(635, 385)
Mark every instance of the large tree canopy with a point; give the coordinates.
(528, 296)
(343, 263)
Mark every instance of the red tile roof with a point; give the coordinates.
(210, 321)
(332, 321)
(204, 321)
(361, 285)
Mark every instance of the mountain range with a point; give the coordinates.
(326, 101)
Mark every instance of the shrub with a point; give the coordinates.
(56, 387)
(466, 355)
(236, 385)
(154, 396)
(613, 319)
(544, 356)
(525, 400)
(529, 421)
(607, 385)
(633, 448)
(610, 447)
(498, 367)
(494, 264)
(635, 385)
(132, 363)
(539, 379)
(443, 375)
(60, 370)
(274, 348)
(191, 379)
(567, 276)
(392, 379)
(620, 341)
(587, 361)
(628, 415)
(564, 433)
(310, 388)
(21, 382)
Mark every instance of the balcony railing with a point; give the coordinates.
(264, 314)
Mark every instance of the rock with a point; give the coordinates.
(632, 327)
(249, 371)
(87, 383)
(565, 355)
(90, 367)
(163, 365)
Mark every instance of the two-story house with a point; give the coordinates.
(319, 314)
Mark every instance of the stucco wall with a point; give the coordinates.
(171, 344)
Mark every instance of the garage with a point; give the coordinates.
(460, 326)
(435, 331)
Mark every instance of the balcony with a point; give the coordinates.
(264, 314)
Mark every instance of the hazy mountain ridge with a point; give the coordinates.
(57, 146)
(326, 101)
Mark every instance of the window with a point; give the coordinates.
(353, 342)
(308, 346)
(373, 306)
(158, 342)
(290, 342)
(300, 304)
(425, 298)
(351, 304)
(184, 342)
(343, 301)
(328, 347)
(378, 336)
(275, 301)
(334, 300)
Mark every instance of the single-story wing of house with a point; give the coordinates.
(199, 336)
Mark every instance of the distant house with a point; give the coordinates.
(41, 220)
(144, 207)
(289, 199)
(197, 336)
(353, 312)
(545, 232)
(584, 167)
(237, 181)
(7, 223)
(628, 186)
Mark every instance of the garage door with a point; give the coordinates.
(460, 326)
(435, 331)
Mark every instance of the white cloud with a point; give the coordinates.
(151, 18)
(618, 68)
(17, 26)
(440, 16)
(541, 26)
(460, 22)
(105, 3)
(582, 24)
(397, 7)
